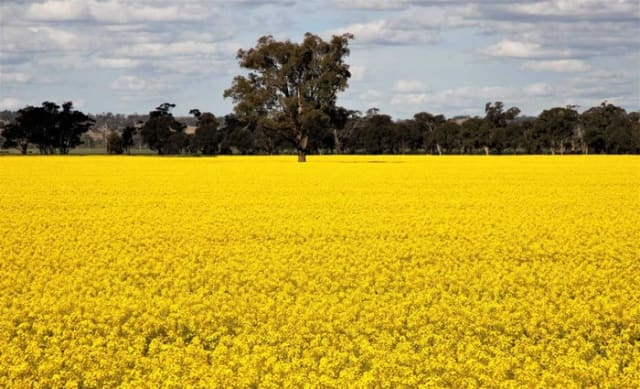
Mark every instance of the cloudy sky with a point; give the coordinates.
(438, 56)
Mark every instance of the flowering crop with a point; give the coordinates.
(258, 271)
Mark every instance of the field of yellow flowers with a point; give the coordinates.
(345, 271)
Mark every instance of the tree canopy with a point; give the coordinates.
(609, 129)
(291, 88)
(48, 127)
(207, 136)
(162, 132)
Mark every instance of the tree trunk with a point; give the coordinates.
(303, 142)
(302, 156)
(486, 150)
(336, 141)
(439, 149)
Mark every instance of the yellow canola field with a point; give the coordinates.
(345, 271)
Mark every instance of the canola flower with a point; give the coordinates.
(261, 272)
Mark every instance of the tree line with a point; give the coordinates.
(287, 104)
(606, 128)
(49, 127)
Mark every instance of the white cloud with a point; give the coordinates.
(143, 91)
(409, 86)
(538, 89)
(78, 103)
(161, 49)
(58, 10)
(117, 63)
(518, 49)
(597, 84)
(10, 103)
(578, 9)
(384, 32)
(461, 96)
(412, 25)
(131, 84)
(19, 40)
(560, 65)
(64, 39)
(377, 5)
(17, 77)
(370, 94)
(116, 11)
(447, 16)
(358, 72)
(412, 99)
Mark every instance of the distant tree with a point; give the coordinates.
(162, 132)
(71, 124)
(376, 134)
(48, 128)
(207, 138)
(634, 118)
(608, 129)
(45, 132)
(446, 136)
(493, 132)
(555, 127)
(242, 139)
(516, 134)
(427, 124)
(327, 136)
(409, 136)
(347, 141)
(469, 131)
(20, 133)
(340, 119)
(8, 116)
(498, 140)
(128, 138)
(372, 111)
(321, 139)
(292, 88)
(115, 143)
(259, 142)
(238, 136)
(177, 143)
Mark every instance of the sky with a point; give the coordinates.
(408, 56)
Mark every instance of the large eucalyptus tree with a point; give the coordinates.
(291, 88)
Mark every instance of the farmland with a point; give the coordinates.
(359, 270)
